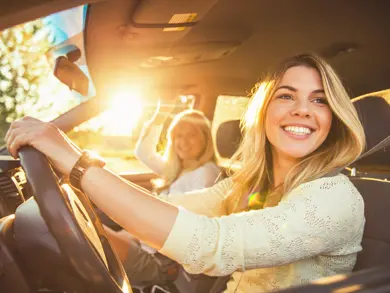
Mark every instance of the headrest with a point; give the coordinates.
(374, 113)
(228, 138)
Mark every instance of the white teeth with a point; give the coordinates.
(297, 130)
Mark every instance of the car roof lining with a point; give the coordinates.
(352, 34)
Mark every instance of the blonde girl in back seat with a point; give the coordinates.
(188, 162)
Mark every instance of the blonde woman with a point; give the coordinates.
(188, 162)
(277, 222)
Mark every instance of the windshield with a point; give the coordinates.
(30, 85)
(28, 51)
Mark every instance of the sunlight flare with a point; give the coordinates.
(123, 114)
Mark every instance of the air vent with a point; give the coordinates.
(10, 194)
(8, 187)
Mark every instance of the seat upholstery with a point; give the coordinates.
(376, 239)
(228, 138)
(374, 113)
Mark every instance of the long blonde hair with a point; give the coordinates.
(173, 167)
(345, 141)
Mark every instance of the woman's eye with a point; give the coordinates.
(285, 97)
(320, 101)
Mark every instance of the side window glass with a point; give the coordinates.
(228, 108)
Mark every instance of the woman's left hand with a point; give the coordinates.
(46, 138)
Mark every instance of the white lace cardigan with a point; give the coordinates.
(315, 231)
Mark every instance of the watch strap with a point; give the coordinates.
(86, 160)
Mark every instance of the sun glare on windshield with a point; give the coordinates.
(124, 112)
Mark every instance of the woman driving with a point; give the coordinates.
(281, 220)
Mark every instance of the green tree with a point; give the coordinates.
(23, 67)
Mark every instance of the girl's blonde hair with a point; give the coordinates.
(345, 141)
(174, 167)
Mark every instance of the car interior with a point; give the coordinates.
(51, 237)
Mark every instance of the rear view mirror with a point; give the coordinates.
(71, 75)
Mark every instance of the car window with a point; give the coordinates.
(228, 108)
(28, 86)
(27, 56)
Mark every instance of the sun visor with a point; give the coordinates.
(153, 20)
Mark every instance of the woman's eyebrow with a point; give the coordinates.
(293, 89)
(288, 87)
(321, 91)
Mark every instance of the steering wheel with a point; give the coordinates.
(73, 223)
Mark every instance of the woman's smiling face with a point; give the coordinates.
(188, 141)
(298, 118)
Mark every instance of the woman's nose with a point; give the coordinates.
(301, 108)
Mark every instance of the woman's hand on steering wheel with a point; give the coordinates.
(46, 138)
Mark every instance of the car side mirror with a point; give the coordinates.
(71, 75)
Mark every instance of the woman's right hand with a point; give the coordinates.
(46, 138)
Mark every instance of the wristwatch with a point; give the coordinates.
(87, 159)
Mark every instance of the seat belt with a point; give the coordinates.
(382, 144)
(220, 284)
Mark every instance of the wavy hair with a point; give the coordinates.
(173, 167)
(344, 143)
